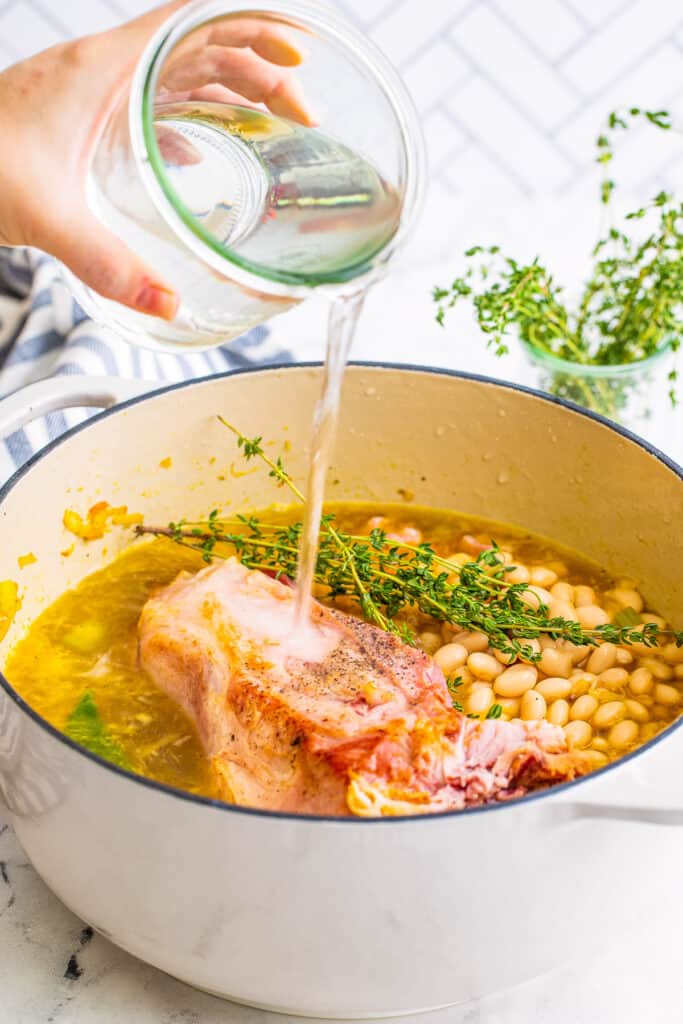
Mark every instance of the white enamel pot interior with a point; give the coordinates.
(348, 918)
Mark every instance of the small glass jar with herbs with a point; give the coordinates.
(613, 350)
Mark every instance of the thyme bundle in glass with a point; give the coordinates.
(631, 306)
(386, 577)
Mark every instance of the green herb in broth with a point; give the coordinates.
(85, 726)
(454, 684)
(627, 617)
(53, 674)
(495, 711)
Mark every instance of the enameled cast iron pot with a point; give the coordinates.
(325, 917)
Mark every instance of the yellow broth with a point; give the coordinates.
(86, 642)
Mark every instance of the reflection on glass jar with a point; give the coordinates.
(636, 395)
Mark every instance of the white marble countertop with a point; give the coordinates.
(52, 969)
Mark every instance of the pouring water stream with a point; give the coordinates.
(343, 318)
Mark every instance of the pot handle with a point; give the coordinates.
(646, 789)
(70, 392)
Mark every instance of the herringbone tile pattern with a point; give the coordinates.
(512, 92)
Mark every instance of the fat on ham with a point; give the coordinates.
(338, 718)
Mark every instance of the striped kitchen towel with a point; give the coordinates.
(43, 332)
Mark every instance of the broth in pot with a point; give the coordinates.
(78, 665)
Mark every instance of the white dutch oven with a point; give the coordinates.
(325, 917)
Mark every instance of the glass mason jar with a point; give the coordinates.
(242, 211)
(632, 394)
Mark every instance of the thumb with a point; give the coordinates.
(104, 263)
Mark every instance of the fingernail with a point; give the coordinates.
(294, 108)
(292, 55)
(156, 300)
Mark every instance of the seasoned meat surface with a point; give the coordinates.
(338, 718)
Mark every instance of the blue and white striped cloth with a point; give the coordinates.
(44, 333)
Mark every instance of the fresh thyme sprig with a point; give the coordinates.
(371, 610)
(631, 305)
(388, 578)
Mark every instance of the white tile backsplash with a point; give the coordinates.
(513, 92)
(438, 69)
(444, 138)
(501, 130)
(79, 18)
(551, 27)
(620, 45)
(595, 12)
(24, 29)
(500, 52)
(411, 25)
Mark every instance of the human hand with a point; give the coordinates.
(53, 105)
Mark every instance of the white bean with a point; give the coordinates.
(672, 654)
(583, 708)
(533, 706)
(562, 610)
(641, 681)
(554, 687)
(578, 733)
(590, 616)
(577, 652)
(613, 678)
(520, 574)
(595, 758)
(667, 695)
(626, 598)
(535, 597)
(450, 657)
(484, 666)
(609, 714)
(472, 641)
(558, 713)
(543, 577)
(637, 711)
(563, 591)
(479, 700)
(623, 734)
(515, 681)
(659, 669)
(583, 596)
(602, 658)
(555, 663)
